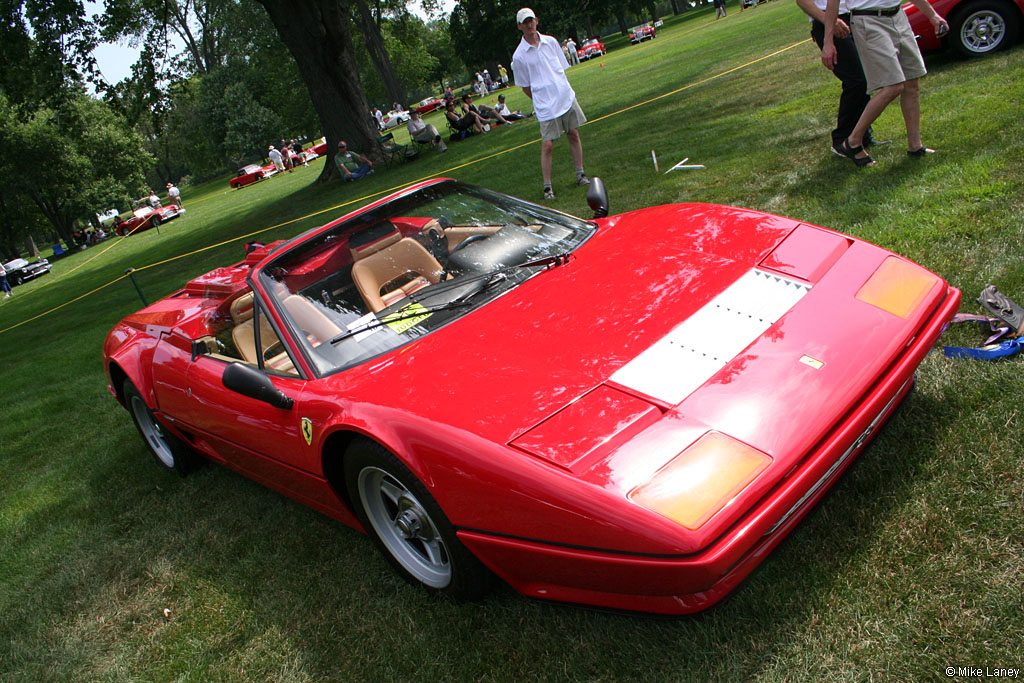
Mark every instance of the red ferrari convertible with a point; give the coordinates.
(627, 412)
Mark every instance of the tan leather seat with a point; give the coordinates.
(313, 322)
(401, 268)
(243, 333)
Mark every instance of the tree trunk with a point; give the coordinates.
(621, 18)
(653, 9)
(675, 8)
(317, 34)
(379, 53)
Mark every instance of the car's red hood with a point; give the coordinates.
(507, 367)
(537, 368)
(510, 364)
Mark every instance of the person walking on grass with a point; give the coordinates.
(4, 284)
(847, 69)
(174, 194)
(538, 66)
(892, 65)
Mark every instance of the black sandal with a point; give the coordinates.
(921, 152)
(852, 152)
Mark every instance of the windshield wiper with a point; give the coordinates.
(397, 317)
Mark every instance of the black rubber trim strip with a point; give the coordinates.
(573, 546)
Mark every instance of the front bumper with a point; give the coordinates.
(686, 584)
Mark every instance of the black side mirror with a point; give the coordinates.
(248, 381)
(597, 198)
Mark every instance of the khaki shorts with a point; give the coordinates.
(570, 120)
(888, 51)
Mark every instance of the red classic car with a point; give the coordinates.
(145, 217)
(976, 27)
(628, 412)
(428, 105)
(317, 150)
(642, 33)
(592, 47)
(251, 174)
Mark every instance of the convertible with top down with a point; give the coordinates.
(627, 412)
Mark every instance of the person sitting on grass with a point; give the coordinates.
(469, 120)
(509, 115)
(486, 113)
(424, 132)
(352, 165)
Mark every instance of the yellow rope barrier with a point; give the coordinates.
(447, 171)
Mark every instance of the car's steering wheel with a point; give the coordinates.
(463, 243)
(469, 240)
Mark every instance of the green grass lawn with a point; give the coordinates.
(112, 569)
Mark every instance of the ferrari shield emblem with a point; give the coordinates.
(307, 430)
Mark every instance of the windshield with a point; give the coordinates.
(401, 270)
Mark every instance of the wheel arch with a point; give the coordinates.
(336, 445)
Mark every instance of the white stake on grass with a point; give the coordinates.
(682, 165)
(655, 158)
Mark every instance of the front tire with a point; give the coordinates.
(407, 525)
(982, 27)
(170, 451)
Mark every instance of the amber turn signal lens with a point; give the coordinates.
(898, 287)
(701, 480)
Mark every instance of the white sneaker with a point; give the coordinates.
(441, 147)
(487, 128)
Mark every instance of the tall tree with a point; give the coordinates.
(370, 26)
(44, 49)
(317, 34)
(84, 159)
(202, 26)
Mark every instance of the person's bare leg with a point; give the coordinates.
(545, 160)
(910, 104)
(575, 146)
(876, 105)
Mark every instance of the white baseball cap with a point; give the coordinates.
(524, 14)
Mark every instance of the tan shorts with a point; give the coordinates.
(888, 51)
(570, 120)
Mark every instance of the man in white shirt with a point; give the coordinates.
(424, 132)
(539, 65)
(892, 65)
(174, 194)
(276, 158)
